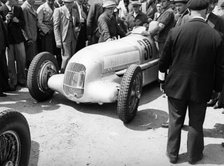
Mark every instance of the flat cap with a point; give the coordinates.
(198, 4)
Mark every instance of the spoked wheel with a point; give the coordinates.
(15, 141)
(10, 148)
(129, 94)
(42, 67)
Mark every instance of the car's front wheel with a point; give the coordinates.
(42, 67)
(129, 93)
(15, 141)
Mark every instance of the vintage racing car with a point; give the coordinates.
(106, 72)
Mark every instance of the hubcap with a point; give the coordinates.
(10, 149)
(47, 69)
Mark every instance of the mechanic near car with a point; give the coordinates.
(136, 17)
(107, 24)
(66, 30)
(193, 53)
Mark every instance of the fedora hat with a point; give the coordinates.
(198, 4)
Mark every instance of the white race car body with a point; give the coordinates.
(94, 73)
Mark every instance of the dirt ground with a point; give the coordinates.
(67, 134)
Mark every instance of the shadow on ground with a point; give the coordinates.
(148, 119)
(34, 153)
(22, 101)
(216, 132)
(213, 154)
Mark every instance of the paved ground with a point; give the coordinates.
(66, 134)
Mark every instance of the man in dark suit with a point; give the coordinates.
(193, 53)
(82, 38)
(217, 23)
(3, 65)
(30, 16)
(12, 15)
(96, 9)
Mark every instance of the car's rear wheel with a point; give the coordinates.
(42, 67)
(15, 141)
(129, 93)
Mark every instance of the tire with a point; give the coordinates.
(15, 141)
(42, 67)
(129, 93)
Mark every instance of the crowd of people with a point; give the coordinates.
(188, 35)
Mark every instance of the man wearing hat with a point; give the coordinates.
(193, 55)
(181, 9)
(108, 27)
(66, 30)
(136, 17)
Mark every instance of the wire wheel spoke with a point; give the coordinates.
(9, 149)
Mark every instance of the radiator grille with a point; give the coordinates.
(73, 74)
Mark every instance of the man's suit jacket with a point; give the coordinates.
(30, 17)
(61, 19)
(15, 34)
(3, 34)
(193, 53)
(216, 22)
(95, 11)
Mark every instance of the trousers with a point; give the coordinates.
(195, 138)
(16, 56)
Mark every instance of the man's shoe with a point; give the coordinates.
(2, 94)
(173, 160)
(212, 102)
(194, 161)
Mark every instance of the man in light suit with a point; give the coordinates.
(30, 16)
(193, 53)
(66, 30)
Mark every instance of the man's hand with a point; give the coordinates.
(58, 45)
(15, 19)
